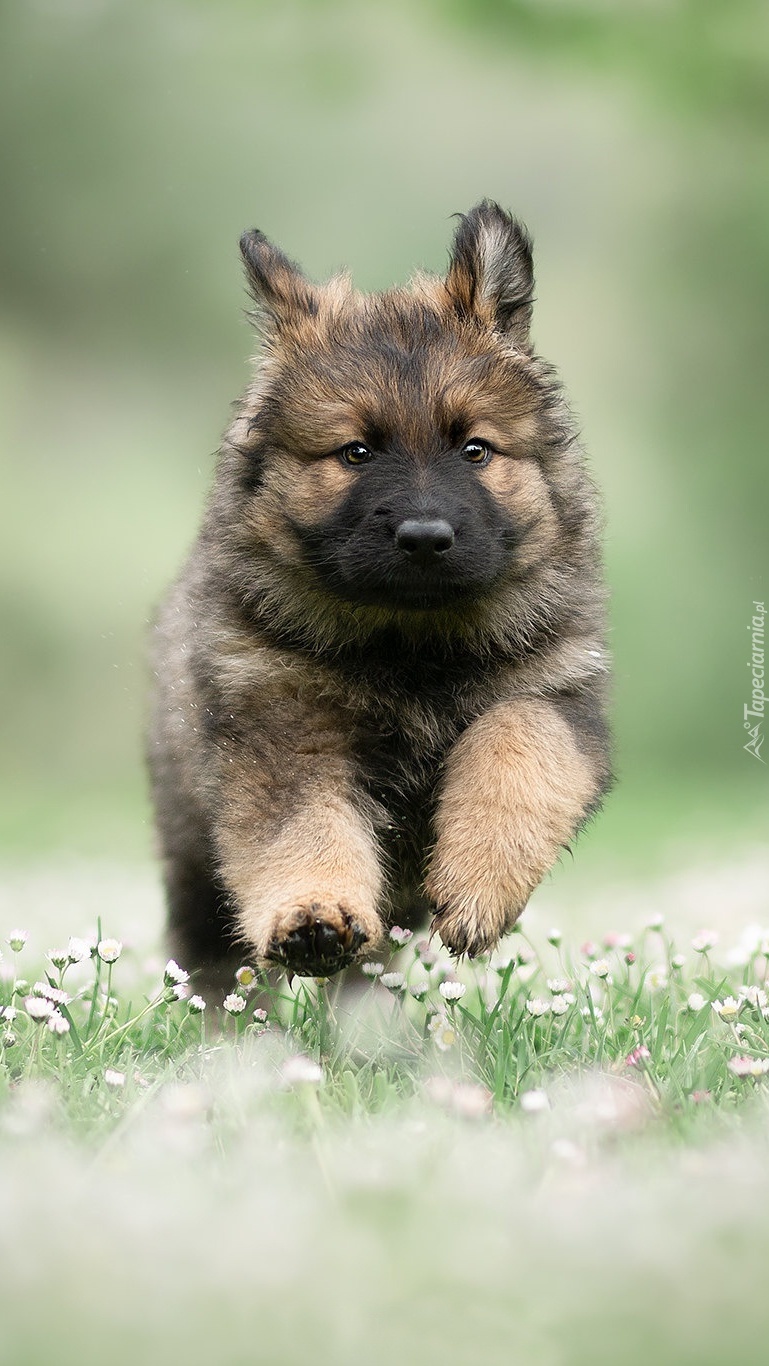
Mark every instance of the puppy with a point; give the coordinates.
(381, 678)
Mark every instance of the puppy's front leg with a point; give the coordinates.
(518, 784)
(301, 858)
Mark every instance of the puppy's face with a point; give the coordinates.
(397, 443)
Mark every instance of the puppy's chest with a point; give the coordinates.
(401, 735)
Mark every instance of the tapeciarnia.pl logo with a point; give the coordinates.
(753, 711)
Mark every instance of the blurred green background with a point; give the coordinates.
(142, 136)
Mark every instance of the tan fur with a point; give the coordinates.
(520, 484)
(321, 865)
(514, 793)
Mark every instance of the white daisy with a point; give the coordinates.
(537, 1007)
(109, 950)
(452, 991)
(173, 975)
(372, 969)
(394, 981)
(57, 1023)
(728, 1009)
(77, 950)
(233, 1004)
(38, 1007)
(704, 941)
(754, 996)
(657, 977)
(442, 1031)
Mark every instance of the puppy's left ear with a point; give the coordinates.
(491, 274)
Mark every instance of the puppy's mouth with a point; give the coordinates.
(387, 577)
(414, 589)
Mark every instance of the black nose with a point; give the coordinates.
(424, 539)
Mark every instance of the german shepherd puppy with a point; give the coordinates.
(381, 677)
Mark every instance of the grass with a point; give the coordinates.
(685, 1028)
(558, 1155)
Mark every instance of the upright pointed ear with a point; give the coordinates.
(282, 294)
(491, 274)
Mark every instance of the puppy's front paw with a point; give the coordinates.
(470, 927)
(319, 938)
(474, 907)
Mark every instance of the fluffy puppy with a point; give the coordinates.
(381, 676)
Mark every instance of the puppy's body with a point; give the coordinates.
(381, 675)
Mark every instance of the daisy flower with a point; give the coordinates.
(748, 1067)
(77, 950)
(443, 1032)
(173, 975)
(394, 981)
(234, 1004)
(537, 1007)
(452, 991)
(753, 996)
(704, 941)
(657, 977)
(38, 1007)
(400, 936)
(109, 950)
(728, 1009)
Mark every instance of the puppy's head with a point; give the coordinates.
(396, 450)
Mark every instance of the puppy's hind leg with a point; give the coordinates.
(201, 934)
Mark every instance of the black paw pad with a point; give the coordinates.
(317, 949)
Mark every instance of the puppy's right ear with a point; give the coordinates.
(282, 294)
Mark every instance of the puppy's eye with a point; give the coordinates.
(477, 452)
(355, 453)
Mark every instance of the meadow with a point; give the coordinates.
(558, 1154)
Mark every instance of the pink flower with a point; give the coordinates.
(748, 1067)
(637, 1056)
(399, 936)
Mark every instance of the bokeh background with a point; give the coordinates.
(141, 136)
